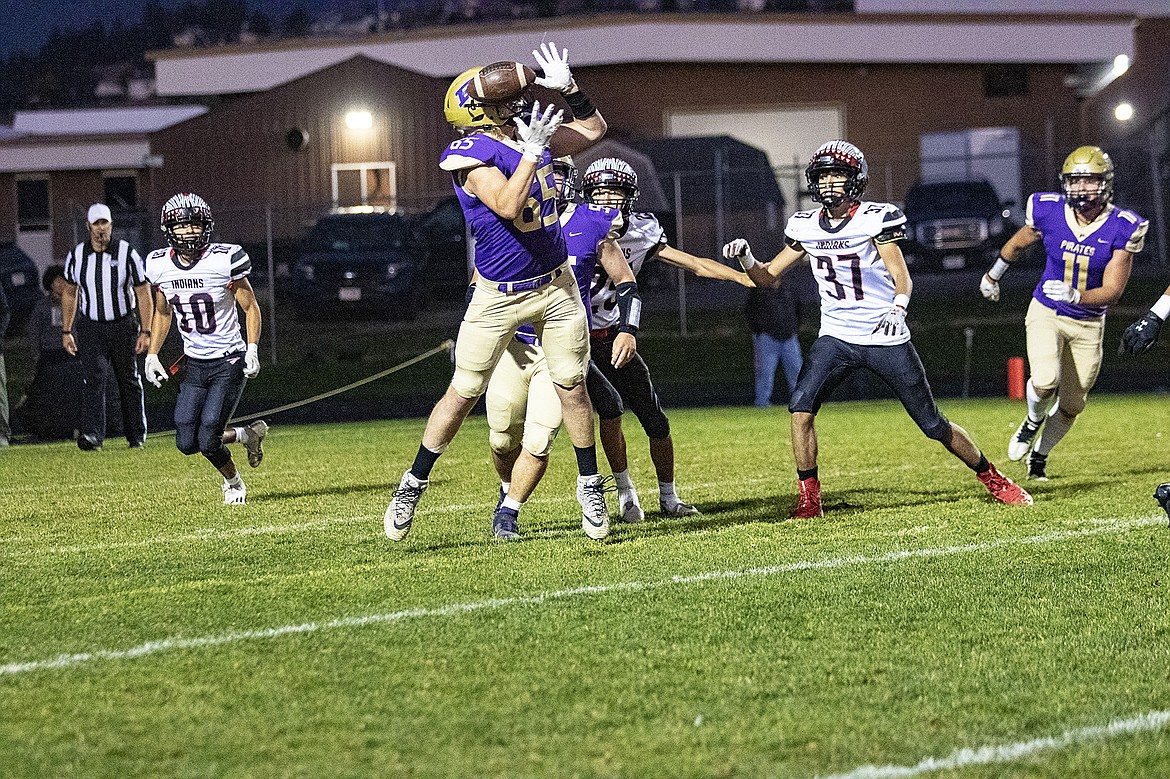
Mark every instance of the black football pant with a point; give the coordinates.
(105, 348)
(208, 397)
(611, 389)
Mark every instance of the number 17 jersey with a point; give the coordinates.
(203, 303)
(856, 288)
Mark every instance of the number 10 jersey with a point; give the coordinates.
(204, 306)
(856, 288)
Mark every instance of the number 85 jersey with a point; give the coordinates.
(856, 288)
(203, 303)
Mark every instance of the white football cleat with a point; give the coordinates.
(594, 513)
(234, 496)
(677, 508)
(629, 507)
(1022, 439)
(400, 513)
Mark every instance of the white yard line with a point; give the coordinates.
(178, 643)
(1006, 753)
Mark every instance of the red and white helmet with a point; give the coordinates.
(838, 157)
(610, 173)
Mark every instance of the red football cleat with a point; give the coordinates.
(1004, 489)
(808, 505)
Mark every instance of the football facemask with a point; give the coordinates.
(839, 157)
(611, 182)
(568, 180)
(187, 210)
(1086, 179)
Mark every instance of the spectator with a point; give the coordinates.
(773, 313)
(53, 403)
(5, 430)
(104, 279)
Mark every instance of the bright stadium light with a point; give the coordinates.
(1123, 112)
(1120, 65)
(359, 120)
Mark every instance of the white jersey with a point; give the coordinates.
(204, 306)
(641, 240)
(855, 286)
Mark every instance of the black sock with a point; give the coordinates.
(586, 460)
(423, 462)
(983, 466)
(811, 473)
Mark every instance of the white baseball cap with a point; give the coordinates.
(99, 211)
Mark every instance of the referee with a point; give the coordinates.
(103, 280)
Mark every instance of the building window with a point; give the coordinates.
(32, 203)
(364, 184)
(121, 192)
(1005, 81)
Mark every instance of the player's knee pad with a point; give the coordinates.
(505, 441)
(217, 457)
(469, 384)
(187, 444)
(940, 431)
(538, 439)
(655, 424)
(1070, 410)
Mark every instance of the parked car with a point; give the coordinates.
(444, 232)
(954, 224)
(369, 262)
(22, 284)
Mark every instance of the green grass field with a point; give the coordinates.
(148, 630)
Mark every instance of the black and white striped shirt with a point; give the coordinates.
(106, 280)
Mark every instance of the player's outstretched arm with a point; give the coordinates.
(762, 274)
(1011, 252)
(702, 266)
(587, 126)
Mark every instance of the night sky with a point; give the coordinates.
(25, 25)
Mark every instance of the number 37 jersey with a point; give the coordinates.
(856, 288)
(204, 306)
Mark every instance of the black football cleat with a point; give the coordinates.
(1162, 495)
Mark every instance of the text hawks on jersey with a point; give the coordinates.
(855, 286)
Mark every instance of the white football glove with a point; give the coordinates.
(555, 66)
(990, 288)
(739, 250)
(1061, 292)
(893, 322)
(536, 134)
(251, 362)
(156, 374)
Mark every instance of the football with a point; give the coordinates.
(500, 82)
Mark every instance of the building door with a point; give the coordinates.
(34, 233)
(788, 135)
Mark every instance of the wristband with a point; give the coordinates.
(580, 104)
(901, 301)
(747, 262)
(66, 332)
(998, 269)
(1161, 309)
(144, 332)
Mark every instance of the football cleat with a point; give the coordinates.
(234, 496)
(808, 503)
(1036, 466)
(1022, 439)
(1004, 489)
(677, 508)
(594, 513)
(629, 507)
(255, 442)
(400, 513)
(506, 524)
(1162, 495)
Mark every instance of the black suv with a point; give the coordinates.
(952, 225)
(373, 263)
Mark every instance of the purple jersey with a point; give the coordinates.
(1077, 254)
(586, 226)
(530, 245)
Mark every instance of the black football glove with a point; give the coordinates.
(1141, 335)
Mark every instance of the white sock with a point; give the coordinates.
(666, 492)
(1055, 428)
(237, 482)
(1037, 406)
(505, 486)
(622, 480)
(241, 435)
(512, 503)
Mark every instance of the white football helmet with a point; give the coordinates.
(611, 182)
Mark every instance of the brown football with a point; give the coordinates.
(500, 81)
